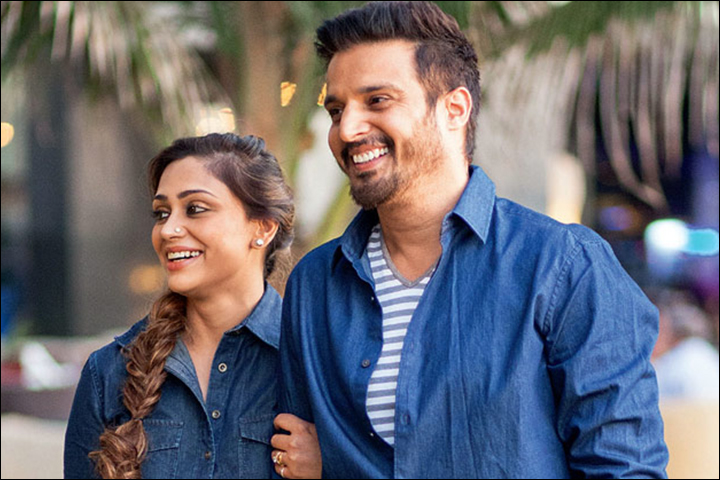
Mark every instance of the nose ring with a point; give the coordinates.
(177, 230)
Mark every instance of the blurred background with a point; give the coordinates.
(601, 113)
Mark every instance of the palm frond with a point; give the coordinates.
(129, 47)
(651, 84)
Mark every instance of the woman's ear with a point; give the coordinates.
(265, 231)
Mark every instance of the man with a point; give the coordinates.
(450, 333)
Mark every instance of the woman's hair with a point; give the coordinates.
(255, 177)
(444, 58)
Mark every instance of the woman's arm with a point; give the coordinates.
(85, 424)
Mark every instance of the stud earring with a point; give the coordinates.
(259, 242)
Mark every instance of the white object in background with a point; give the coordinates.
(40, 371)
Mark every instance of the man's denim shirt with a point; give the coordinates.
(527, 356)
(227, 436)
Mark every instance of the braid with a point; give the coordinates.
(123, 448)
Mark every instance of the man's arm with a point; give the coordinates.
(600, 330)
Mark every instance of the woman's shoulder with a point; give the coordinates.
(112, 353)
(103, 376)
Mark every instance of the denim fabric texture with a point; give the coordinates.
(527, 357)
(227, 436)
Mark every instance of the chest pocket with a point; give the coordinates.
(164, 438)
(254, 447)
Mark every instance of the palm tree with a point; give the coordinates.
(559, 76)
(609, 74)
(130, 48)
(629, 65)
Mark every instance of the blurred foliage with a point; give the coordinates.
(171, 59)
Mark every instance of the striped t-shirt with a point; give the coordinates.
(398, 298)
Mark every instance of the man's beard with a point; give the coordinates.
(369, 194)
(422, 154)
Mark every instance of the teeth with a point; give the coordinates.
(181, 255)
(371, 155)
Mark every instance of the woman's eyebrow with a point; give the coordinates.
(184, 194)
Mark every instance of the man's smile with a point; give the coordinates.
(369, 156)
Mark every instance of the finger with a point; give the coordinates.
(283, 471)
(281, 442)
(290, 423)
(277, 457)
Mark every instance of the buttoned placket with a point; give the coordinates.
(404, 395)
(180, 364)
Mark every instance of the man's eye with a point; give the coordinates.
(335, 113)
(377, 100)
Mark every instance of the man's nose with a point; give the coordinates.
(353, 124)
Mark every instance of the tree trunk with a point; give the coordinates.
(263, 45)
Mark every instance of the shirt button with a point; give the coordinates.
(365, 363)
(372, 299)
(372, 435)
(222, 367)
(216, 414)
(208, 455)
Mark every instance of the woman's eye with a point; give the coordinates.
(195, 209)
(159, 215)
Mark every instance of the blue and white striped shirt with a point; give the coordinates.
(399, 299)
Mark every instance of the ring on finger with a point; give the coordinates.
(282, 471)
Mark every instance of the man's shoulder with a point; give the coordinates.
(318, 258)
(517, 219)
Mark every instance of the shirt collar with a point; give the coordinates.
(263, 321)
(477, 202)
(474, 208)
(126, 338)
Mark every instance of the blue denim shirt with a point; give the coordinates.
(527, 356)
(227, 436)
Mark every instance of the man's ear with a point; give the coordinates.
(458, 105)
(265, 230)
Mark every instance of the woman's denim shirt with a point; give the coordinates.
(226, 436)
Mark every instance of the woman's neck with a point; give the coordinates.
(211, 316)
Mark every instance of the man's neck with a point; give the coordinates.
(412, 223)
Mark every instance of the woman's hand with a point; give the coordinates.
(297, 453)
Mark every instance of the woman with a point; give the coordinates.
(190, 391)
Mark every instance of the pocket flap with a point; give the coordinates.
(258, 429)
(162, 434)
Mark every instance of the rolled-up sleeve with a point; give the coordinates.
(84, 425)
(600, 331)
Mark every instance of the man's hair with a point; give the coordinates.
(444, 57)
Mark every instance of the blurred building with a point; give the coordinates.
(76, 252)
